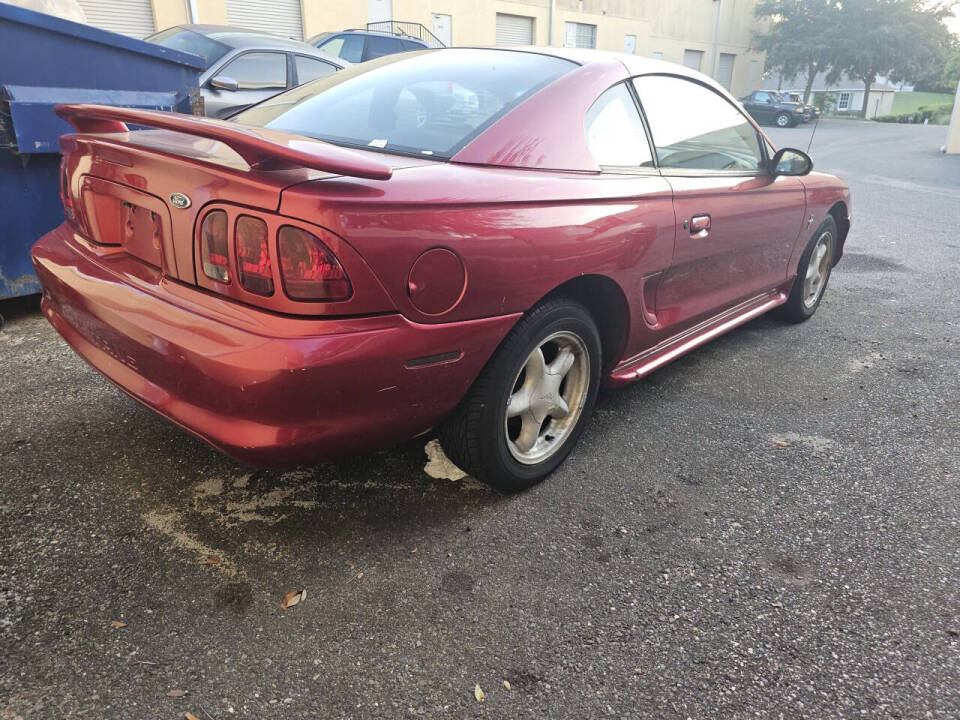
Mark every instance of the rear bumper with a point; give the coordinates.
(266, 389)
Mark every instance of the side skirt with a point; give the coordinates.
(656, 357)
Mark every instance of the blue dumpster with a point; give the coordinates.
(45, 61)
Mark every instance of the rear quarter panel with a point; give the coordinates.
(520, 233)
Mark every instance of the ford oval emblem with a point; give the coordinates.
(179, 200)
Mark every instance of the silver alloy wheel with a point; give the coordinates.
(547, 398)
(783, 120)
(818, 269)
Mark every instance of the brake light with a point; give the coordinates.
(69, 211)
(213, 246)
(308, 268)
(254, 269)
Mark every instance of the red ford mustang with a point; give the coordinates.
(466, 240)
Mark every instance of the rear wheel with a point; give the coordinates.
(783, 119)
(813, 273)
(530, 403)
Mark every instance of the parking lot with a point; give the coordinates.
(768, 527)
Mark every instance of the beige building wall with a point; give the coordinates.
(660, 26)
(953, 132)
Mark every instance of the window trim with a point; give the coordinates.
(764, 169)
(233, 58)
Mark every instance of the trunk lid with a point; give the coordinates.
(143, 190)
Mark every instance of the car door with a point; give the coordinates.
(766, 107)
(258, 74)
(750, 104)
(639, 212)
(736, 223)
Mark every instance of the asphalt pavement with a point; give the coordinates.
(769, 527)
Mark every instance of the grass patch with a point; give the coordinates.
(909, 102)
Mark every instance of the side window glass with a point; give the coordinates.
(615, 133)
(310, 69)
(259, 71)
(334, 45)
(378, 46)
(348, 47)
(695, 128)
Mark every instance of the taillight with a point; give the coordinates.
(308, 268)
(66, 198)
(213, 246)
(254, 269)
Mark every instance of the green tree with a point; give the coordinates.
(941, 76)
(894, 38)
(799, 36)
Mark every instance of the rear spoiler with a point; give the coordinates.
(258, 151)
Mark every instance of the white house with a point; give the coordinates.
(846, 93)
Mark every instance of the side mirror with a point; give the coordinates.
(222, 82)
(788, 161)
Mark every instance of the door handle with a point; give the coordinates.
(700, 226)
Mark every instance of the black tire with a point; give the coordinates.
(783, 120)
(795, 310)
(474, 436)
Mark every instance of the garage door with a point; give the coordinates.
(127, 17)
(725, 69)
(280, 17)
(693, 59)
(514, 29)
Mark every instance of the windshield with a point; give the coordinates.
(429, 103)
(178, 38)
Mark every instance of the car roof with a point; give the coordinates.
(533, 135)
(634, 64)
(238, 37)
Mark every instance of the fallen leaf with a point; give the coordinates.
(414, 550)
(478, 693)
(292, 598)
(211, 560)
(783, 443)
(190, 716)
(176, 693)
(506, 684)
(117, 624)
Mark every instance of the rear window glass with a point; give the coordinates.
(378, 46)
(429, 103)
(177, 38)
